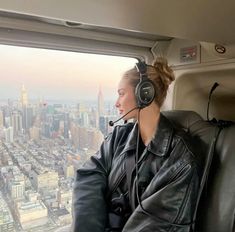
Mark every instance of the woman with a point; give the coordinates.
(146, 175)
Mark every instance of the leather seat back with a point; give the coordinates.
(216, 208)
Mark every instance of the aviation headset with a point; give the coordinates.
(144, 91)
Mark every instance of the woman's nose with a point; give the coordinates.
(117, 104)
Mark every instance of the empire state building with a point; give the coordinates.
(100, 103)
(27, 112)
(24, 97)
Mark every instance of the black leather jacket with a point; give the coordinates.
(169, 175)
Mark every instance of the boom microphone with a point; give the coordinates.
(111, 123)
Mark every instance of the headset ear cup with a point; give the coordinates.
(145, 93)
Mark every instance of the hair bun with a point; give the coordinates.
(165, 72)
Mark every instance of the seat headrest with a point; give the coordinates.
(193, 123)
(182, 118)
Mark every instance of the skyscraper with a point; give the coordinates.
(17, 189)
(27, 112)
(16, 119)
(100, 103)
(84, 119)
(66, 125)
(9, 138)
(1, 119)
(24, 97)
(103, 124)
(27, 117)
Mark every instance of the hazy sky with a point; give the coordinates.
(58, 75)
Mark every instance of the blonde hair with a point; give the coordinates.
(160, 73)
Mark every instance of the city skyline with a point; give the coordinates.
(58, 75)
(43, 137)
(41, 146)
(62, 101)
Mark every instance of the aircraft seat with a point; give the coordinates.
(216, 208)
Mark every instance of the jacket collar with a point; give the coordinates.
(160, 143)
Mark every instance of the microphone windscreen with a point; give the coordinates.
(111, 123)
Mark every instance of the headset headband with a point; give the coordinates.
(141, 67)
(144, 91)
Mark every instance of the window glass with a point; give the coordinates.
(54, 112)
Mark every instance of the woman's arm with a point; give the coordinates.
(89, 205)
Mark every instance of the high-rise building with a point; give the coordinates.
(27, 112)
(56, 122)
(100, 103)
(24, 97)
(1, 119)
(7, 121)
(6, 219)
(9, 138)
(6, 116)
(65, 198)
(74, 128)
(17, 189)
(27, 117)
(46, 130)
(103, 124)
(32, 195)
(17, 122)
(34, 133)
(31, 214)
(46, 180)
(94, 118)
(68, 170)
(66, 125)
(86, 138)
(83, 138)
(94, 138)
(84, 119)
(81, 108)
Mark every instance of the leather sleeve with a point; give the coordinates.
(89, 205)
(169, 200)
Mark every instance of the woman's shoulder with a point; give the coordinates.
(192, 147)
(184, 140)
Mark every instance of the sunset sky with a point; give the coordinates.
(58, 75)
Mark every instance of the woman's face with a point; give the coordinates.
(126, 99)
